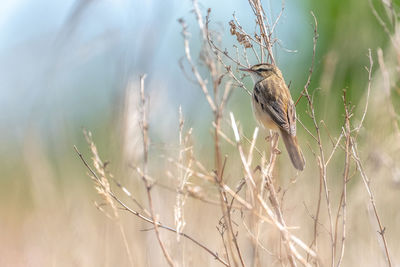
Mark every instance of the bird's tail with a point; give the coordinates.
(294, 150)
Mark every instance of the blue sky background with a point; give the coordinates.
(65, 64)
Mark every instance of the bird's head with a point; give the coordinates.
(262, 71)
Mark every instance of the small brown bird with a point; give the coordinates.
(274, 108)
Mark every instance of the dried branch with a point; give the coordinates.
(265, 34)
(217, 108)
(145, 180)
(267, 175)
(343, 198)
(366, 181)
(200, 80)
(310, 70)
(145, 218)
(103, 189)
(364, 177)
(369, 70)
(386, 85)
(321, 157)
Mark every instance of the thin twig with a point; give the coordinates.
(369, 70)
(147, 219)
(366, 181)
(343, 199)
(310, 71)
(145, 180)
(265, 34)
(321, 158)
(200, 80)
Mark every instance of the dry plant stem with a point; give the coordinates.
(146, 181)
(343, 199)
(258, 12)
(223, 197)
(249, 177)
(103, 187)
(147, 219)
(196, 73)
(222, 231)
(347, 133)
(248, 36)
(182, 176)
(278, 18)
(273, 197)
(247, 206)
(191, 194)
(287, 236)
(225, 53)
(384, 25)
(386, 83)
(217, 51)
(321, 166)
(217, 109)
(225, 187)
(277, 217)
(369, 70)
(242, 31)
(371, 199)
(134, 200)
(363, 174)
(315, 38)
(256, 239)
(219, 177)
(321, 158)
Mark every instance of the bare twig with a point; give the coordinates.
(310, 71)
(321, 158)
(145, 180)
(103, 188)
(369, 70)
(217, 108)
(362, 172)
(249, 177)
(182, 176)
(343, 199)
(386, 85)
(145, 218)
(200, 80)
(366, 181)
(265, 34)
(273, 198)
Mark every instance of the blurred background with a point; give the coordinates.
(75, 64)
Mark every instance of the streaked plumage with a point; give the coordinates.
(274, 108)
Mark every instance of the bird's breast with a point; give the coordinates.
(262, 116)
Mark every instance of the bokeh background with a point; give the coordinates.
(70, 65)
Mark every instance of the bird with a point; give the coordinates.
(274, 108)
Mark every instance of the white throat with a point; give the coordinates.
(256, 77)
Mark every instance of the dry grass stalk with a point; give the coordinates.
(183, 176)
(103, 188)
(125, 207)
(264, 32)
(145, 179)
(261, 198)
(343, 199)
(276, 216)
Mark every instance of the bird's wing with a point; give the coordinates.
(292, 117)
(277, 102)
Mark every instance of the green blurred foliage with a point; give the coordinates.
(346, 30)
